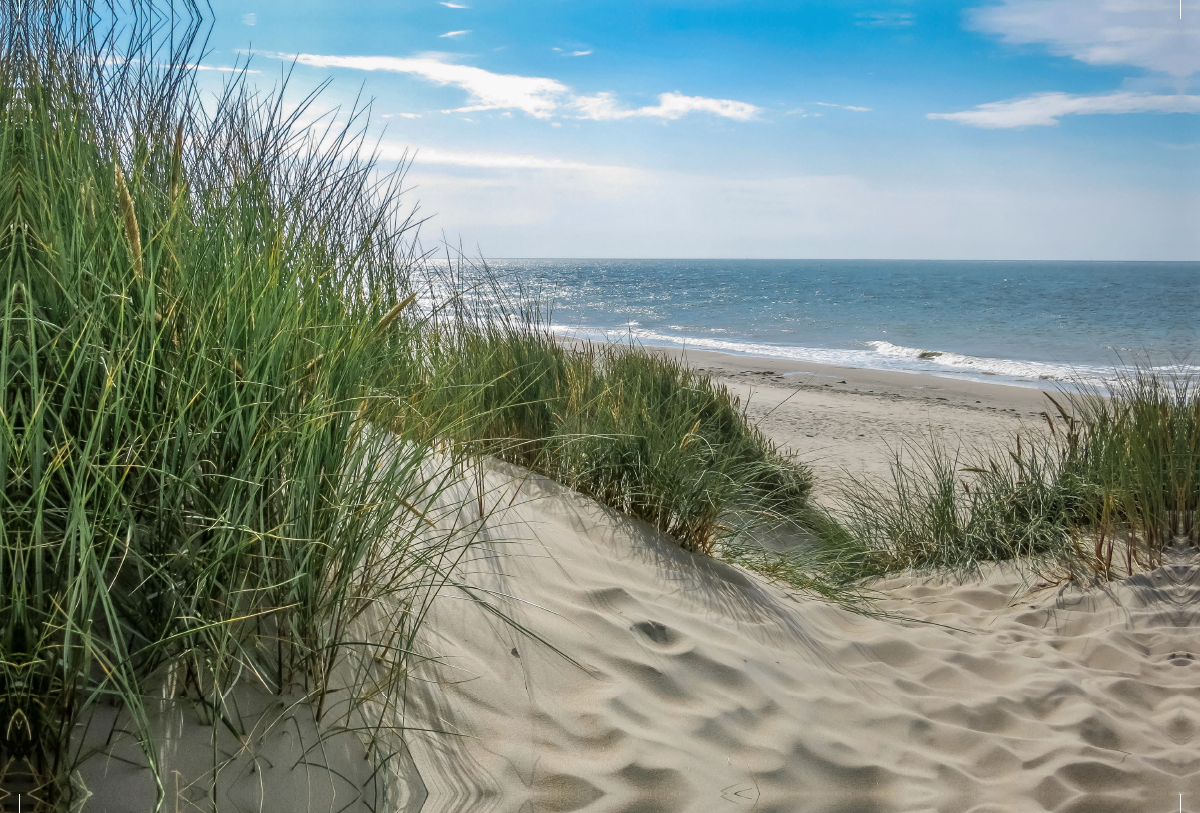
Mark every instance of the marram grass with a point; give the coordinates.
(635, 430)
(1098, 492)
(197, 310)
(225, 413)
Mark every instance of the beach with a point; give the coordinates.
(686, 684)
(613, 672)
(667, 681)
(845, 420)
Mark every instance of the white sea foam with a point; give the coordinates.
(877, 355)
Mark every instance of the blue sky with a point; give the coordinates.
(1009, 129)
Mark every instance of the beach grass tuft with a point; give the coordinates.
(634, 429)
(1109, 482)
(199, 304)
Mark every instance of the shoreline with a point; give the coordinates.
(952, 365)
(849, 420)
(865, 381)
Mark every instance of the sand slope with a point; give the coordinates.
(701, 688)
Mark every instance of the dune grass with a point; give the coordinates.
(197, 309)
(226, 409)
(634, 429)
(1112, 480)
(1134, 458)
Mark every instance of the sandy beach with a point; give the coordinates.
(636, 677)
(697, 686)
(843, 420)
(685, 684)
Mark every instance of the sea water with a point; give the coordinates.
(1030, 323)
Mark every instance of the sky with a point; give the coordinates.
(995, 129)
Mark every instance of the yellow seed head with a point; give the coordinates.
(177, 161)
(391, 315)
(132, 234)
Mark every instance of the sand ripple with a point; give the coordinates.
(699, 688)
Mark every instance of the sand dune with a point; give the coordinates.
(684, 685)
(699, 687)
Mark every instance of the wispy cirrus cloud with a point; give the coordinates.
(452, 5)
(884, 19)
(604, 107)
(454, 34)
(1142, 33)
(398, 151)
(1045, 109)
(491, 160)
(855, 108)
(486, 90)
(540, 97)
(218, 68)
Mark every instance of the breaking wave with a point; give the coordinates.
(876, 355)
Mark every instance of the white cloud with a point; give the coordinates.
(1144, 33)
(885, 19)
(486, 90)
(1044, 109)
(249, 19)
(218, 68)
(398, 151)
(845, 107)
(452, 5)
(603, 107)
(582, 53)
(410, 115)
(453, 34)
(539, 97)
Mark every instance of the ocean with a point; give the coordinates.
(1029, 323)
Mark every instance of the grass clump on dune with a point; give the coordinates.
(196, 311)
(1112, 481)
(1135, 460)
(634, 429)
